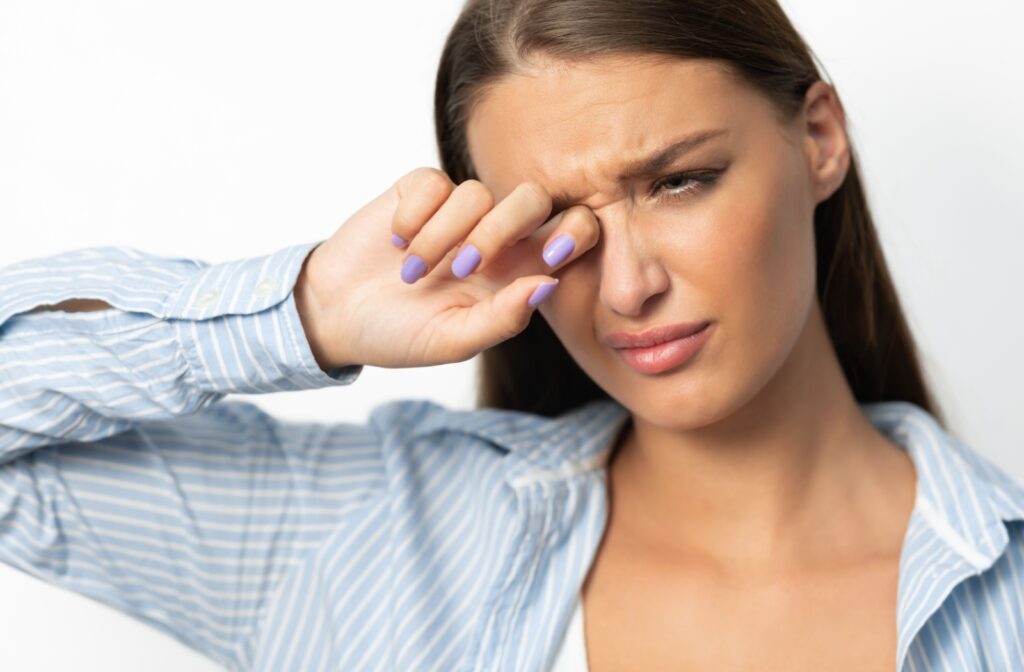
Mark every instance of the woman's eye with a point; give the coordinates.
(684, 184)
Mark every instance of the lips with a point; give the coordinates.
(654, 335)
(668, 355)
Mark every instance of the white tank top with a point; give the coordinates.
(572, 654)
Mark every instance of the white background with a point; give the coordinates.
(220, 130)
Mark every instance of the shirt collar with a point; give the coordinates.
(962, 501)
(958, 526)
(963, 495)
(539, 447)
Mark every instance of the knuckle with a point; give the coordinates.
(477, 193)
(400, 222)
(431, 179)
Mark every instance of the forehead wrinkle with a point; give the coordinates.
(602, 122)
(649, 165)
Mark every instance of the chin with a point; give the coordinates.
(679, 411)
(683, 400)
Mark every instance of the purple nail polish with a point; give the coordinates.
(558, 250)
(542, 292)
(466, 261)
(398, 241)
(413, 268)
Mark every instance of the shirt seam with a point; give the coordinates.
(241, 651)
(591, 464)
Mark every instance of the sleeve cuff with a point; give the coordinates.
(239, 327)
(236, 322)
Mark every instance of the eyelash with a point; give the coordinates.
(698, 181)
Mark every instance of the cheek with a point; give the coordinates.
(565, 309)
(763, 273)
(570, 310)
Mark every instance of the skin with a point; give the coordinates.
(756, 516)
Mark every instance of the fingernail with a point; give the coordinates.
(466, 261)
(542, 292)
(413, 269)
(398, 241)
(558, 250)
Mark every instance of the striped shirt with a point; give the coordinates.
(426, 538)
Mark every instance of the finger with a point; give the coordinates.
(517, 215)
(505, 313)
(468, 203)
(561, 240)
(576, 232)
(420, 193)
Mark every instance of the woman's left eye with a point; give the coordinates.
(688, 183)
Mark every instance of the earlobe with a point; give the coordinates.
(828, 142)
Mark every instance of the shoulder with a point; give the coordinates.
(967, 487)
(427, 447)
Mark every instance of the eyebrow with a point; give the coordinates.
(648, 166)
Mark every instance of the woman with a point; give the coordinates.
(713, 449)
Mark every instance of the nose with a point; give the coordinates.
(632, 275)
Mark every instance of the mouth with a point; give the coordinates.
(654, 335)
(663, 350)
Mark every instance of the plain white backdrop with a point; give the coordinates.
(226, 129)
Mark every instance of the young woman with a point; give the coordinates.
(712, 449)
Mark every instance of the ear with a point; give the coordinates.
(828, 149)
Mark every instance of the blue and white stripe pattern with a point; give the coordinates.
(424, 539)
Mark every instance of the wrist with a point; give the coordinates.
(309, 308)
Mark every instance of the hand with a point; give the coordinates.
(360, 304)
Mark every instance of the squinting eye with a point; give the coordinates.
(690, 183)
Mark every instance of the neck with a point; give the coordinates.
(785, 478)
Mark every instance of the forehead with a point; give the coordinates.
(563, 123)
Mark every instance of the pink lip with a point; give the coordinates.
(654, 335)
(666, 354)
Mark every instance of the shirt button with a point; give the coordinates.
(207, 299)
(265, 287)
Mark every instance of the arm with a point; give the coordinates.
(122, 479)
(302, 301)
(207, 330)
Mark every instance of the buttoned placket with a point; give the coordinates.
(505, 598)
(499, 645)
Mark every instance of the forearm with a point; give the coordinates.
(173, 345)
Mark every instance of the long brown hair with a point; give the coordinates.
(532, 371)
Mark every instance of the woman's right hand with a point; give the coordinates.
(361, 304)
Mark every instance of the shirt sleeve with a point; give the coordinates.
(182, 334)
(120, 477)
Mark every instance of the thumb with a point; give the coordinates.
(507, 312)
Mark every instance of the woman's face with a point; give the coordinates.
(736, 250)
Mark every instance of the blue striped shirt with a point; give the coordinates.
(426, 538)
